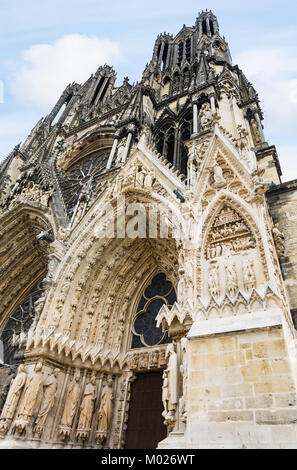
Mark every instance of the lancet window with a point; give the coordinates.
(13, 335)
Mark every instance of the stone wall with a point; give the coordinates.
(241, 393)
(282, 202)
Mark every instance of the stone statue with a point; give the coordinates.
(5, 387)
(105, 410)
(213, 280)
(172, 374)
(279, 240)
(50, 386)
(72, 397)
(12, 399)
(29, 398)
(181, 286)
(140, 176)
(184, 374)
(86, 409)
(121, 150)
(249, 279)
(218, 175)
(149, 178)
(231, 280)
(206, 116)
(194, 164)
(255, 132)
(165, 393)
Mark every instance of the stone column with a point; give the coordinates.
(161, 53)
(260, 127)
(127, 147)
(112, 152)
(74, 213)
(176, 155)
(195, 118)
(213, 104)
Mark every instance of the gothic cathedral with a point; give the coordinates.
(148, 266)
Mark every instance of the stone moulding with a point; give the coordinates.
(255, 320)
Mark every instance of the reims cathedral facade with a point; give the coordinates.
(148, 264)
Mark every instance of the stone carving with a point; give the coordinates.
(5, 387)
(185, 283)
(86, 410)
(242, 144)
(153, 359)
(105, 411)
(121, 150)
(249, 279)
(176, 84)
(143, 361)
(229, 234)
(169, 395)
(50, 386)
(71, 401)
(279, 241)
(28, 401)
(232, 282)
(206, 116)
(16, 386)
(133, 362)
(149, 179)
(165, 393)
(218, 176)
(213, 280)
(255, 132)
(194, 163)
(184, 374)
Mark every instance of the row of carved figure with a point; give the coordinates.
(231, 247)
(19, 409)
(148, 360)
(248, 273)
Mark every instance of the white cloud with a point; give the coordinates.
(48, 68)
(273, 72)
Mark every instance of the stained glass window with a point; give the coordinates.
(18, 325)
(144, 331)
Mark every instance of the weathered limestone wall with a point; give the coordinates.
(283, 208)
(268, 161)
(240, 391)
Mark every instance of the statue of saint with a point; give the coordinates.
(206, 116)
(31, 392)
(248, 275)
(184, 374)
(172, 382)
(218, 175)
(231, 280)
(86, 407)
(213, 280)
(13, 396)
(105, 410)
(165, 393)
(72, 397)
(50, 386)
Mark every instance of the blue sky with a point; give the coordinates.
(45, 44)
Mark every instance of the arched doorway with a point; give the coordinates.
(145, 424)
(145, 427)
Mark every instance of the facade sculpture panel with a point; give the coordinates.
(147, 231)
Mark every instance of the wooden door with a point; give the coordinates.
(145, 423)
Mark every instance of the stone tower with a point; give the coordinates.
(148, 251)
